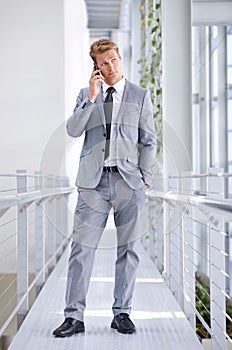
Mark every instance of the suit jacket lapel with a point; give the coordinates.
(124, 101)
(125, 92)
(99, 102)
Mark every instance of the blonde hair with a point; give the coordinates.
(101, 46)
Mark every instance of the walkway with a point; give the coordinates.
(160, 322)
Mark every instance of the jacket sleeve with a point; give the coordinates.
(76, 124)
(147, 140)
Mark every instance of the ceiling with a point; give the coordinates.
(103, 16)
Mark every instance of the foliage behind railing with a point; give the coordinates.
(151, 61)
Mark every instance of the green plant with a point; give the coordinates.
(151, 63)
(203, 307)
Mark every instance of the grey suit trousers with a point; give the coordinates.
(90, 219)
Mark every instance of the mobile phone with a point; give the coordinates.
(96, 68)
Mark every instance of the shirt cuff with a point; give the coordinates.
(87, 102)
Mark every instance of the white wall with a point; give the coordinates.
(78, 67)
(32, 79)
(136, 37)
(44, 62)
(41, 68)
(177, 86)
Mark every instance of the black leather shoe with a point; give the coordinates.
(69, 327)
(123, 324)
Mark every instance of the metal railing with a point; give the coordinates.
(190, 242)
(33, 234)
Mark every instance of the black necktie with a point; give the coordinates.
(108, 107)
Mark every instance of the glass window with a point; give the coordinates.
(229, 104)
(215, 161)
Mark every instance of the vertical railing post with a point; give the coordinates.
(151, 209)
(217, 264)
(175, 260)
(65, 208)
(166, 235)
(40, 236)
(158, 227)
(22, 260)
(58, 219)
(50, 211)
(159, 246)
(156, 213)
(188, 245)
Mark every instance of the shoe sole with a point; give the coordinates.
(81, 330)
(125, 332)
(114, 326)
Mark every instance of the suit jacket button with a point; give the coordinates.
(103, 150)
(104, 134)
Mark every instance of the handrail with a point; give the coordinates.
(23, 198)
(49, 206)
(188, 238)
(224, 206)
(196, 176)
(24, 297)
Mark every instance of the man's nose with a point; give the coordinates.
(110, 65)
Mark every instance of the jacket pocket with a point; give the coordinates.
(132, 159)
(86, 152)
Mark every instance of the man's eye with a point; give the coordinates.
(113, 60)
(103, 64)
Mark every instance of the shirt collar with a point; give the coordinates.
(119, 86)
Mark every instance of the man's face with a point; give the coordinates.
(110, 65)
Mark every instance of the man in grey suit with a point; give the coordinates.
(116, 166)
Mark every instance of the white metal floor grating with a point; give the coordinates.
(160, 323)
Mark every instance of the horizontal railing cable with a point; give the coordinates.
(8, 222)
(195, 238)
(34, 224)
(8, 287)
(8, 254)
(8, 238)
(14, 312)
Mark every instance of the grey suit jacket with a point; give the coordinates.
(135, 140)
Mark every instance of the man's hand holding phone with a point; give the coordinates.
(95, 68)
(94, 86)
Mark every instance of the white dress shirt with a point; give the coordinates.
(117, 99)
